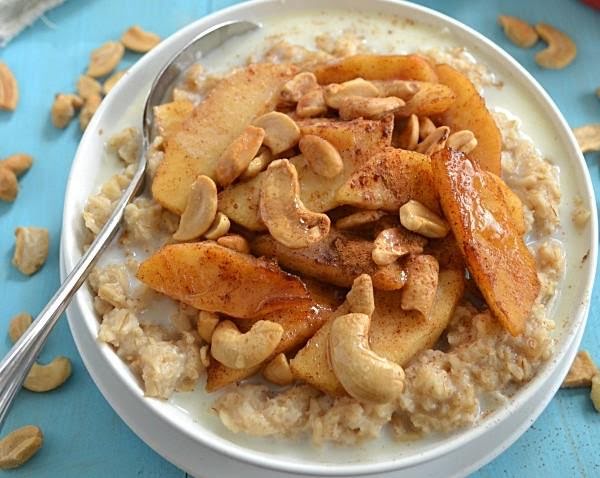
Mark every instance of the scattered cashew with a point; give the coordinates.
(588, 137)
(87, 87)
(43, 378)
(9, 186)
(207, 321)
(360, 298)
(278, 370)
(105, 58)
(9, 89)
(595, 391)
(90, 106)
(112, 80)
(63, 109)
(426, 127)
(237, 350)
(282, 211)
(435, 141)
(335, 93)
(352, 107)
(321, 156)
(18, 163)
(219, 227)
(365, 375)
(138, 40)
(359, 219)
(237, 156)
(409, 137)
(561, 50)
(19, 446)
(391, 244)
(416, 217)
(518, 31)
(421, 285)
(311, 104)
(31, 249)
(281, 131)
(463, 141)
(18, 325)
(258, 164)
(200, 210)
(403, 89)
(298, 86)
(234, 242)
(205, 355)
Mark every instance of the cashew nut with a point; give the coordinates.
(359, 219)
(237, 350)
(18, 325)
(360, 298)
(595, 391)
(561, 50)
(311, 104)
(105, 58)
(352, 107)
(258, 164)
(409, 137)
(90, 106)
(391, 244)
(588, 137)
(200, 210)
(335, 93)
(403, 89)
(234, 242)
(421, 286)
(298, 86)
(17, 163)
(463, 141)
(31, 249)
(365, 375)
(278, 370)
(205, 355)
(136, 39)
(237, 156)
(435, 141)
(518, 31)
(426, 127)
(43, 378)
(321, 156)
(87, 87)
(19, 446)
(9, 89)
(282, 211)
(281, 131)
(207, 321)
(111, 81)
(219, 227)
(63, 109)
(9, 186)
(416, 217)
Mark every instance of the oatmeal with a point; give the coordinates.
(319, 131)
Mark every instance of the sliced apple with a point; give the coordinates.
(496, 255)
(217, 279)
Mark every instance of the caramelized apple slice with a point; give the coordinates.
(170, 116)
(376, 67)
(468, 111)
(494, 250)
(194, 148)
(217, 279)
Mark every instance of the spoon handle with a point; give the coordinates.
(15, 366)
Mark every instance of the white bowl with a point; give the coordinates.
(182, 430)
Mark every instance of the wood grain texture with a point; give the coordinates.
(84, 437)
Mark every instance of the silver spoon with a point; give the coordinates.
(16, 364)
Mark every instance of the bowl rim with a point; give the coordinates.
(69, 253)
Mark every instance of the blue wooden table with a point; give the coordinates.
(84, 437)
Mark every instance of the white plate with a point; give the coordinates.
(182, 430)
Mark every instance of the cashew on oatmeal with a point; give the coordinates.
(325, 249)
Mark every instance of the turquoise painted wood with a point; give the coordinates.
(84, 437)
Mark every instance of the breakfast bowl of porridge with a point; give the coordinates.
(366, 244)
